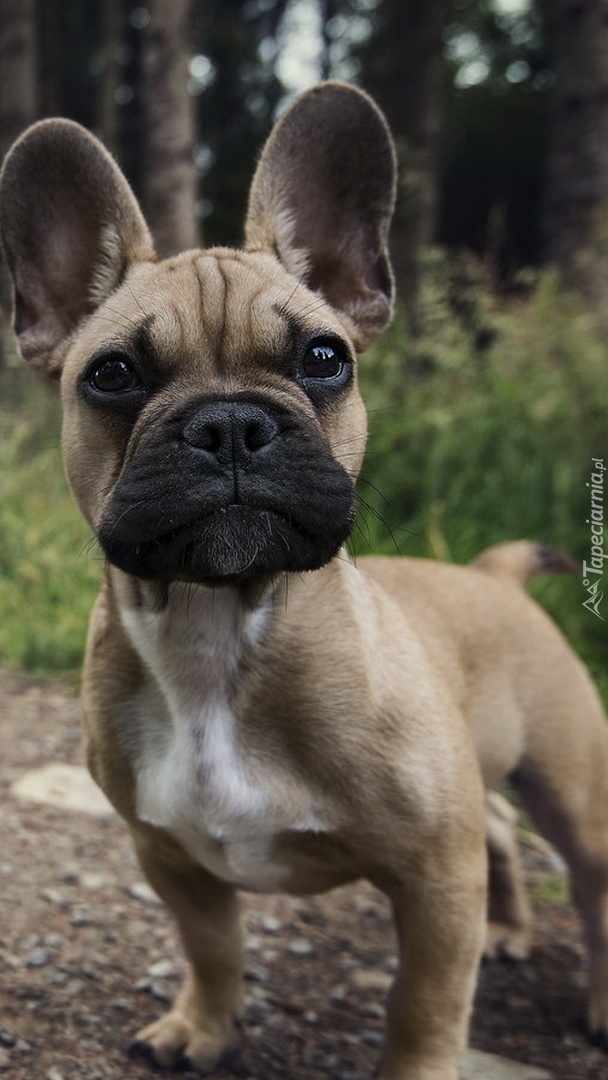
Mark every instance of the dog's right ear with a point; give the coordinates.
(70, 227)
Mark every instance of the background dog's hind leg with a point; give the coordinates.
(563, 783)
(509, 912)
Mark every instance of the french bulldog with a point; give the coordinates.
(265, 712)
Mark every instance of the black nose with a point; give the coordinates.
(230, 429)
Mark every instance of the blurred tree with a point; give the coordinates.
(499, 78)
(169, 178)
(237, 92)
(402, 67)
(335, 17)
(18, 99)
(70, 35)
(576, 209)
(18, 69)
(113, 29)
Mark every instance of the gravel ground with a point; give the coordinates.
(88, 955)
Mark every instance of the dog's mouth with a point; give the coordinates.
(229, 545)
(227, 490)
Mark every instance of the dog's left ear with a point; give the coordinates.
(322, 199)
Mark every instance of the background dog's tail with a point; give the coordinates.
(524, 559)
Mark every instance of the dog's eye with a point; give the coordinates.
(114, 375)
(322, 361)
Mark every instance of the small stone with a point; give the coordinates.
(371, 980)
(270, 924)
(5, 1059)
(300, 947)
(95, 880)
(38, 958)
(23, 1047)
(162, 969)
(7, 1038)
(55, 896)
(374, 1010)
(54, 1074)
(159, 991)
(140, 890)
(70, 875)
(81, 916)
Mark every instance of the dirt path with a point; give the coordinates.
(88, 956)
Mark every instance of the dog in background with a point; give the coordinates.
(264, 713)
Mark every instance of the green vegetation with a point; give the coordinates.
(49, 570)
(483, 433)
(494, 441)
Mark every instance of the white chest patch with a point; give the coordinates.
(196, 777)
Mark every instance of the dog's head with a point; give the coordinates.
(213, 428)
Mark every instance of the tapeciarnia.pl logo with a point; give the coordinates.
(594, 569)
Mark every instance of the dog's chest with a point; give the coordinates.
(201, 776)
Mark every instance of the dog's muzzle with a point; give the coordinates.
(227, 490)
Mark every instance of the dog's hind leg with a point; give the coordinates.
(563, 783)
(509, 913)
(201, 1028)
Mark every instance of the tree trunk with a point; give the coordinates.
(18, 103)
(576, 207)
(402, 69)
(113, 34)
(169, 180)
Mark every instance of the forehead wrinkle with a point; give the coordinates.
(185, 328)
(212, 293)
(245, 332)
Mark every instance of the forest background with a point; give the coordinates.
(488, 398)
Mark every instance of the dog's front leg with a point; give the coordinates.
(440, 927)
(201, 1028)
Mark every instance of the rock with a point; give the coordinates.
(477, 1065)
(162, 969)
(67, 786)
(38, 958)
(300, 947)
(371, 980)
(140, 890)
(270, 924)
(96, 880)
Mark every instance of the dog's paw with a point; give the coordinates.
(509, 942)
(174, 1041)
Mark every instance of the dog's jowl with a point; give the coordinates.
(264, 713)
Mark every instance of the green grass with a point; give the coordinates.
(49, 571)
